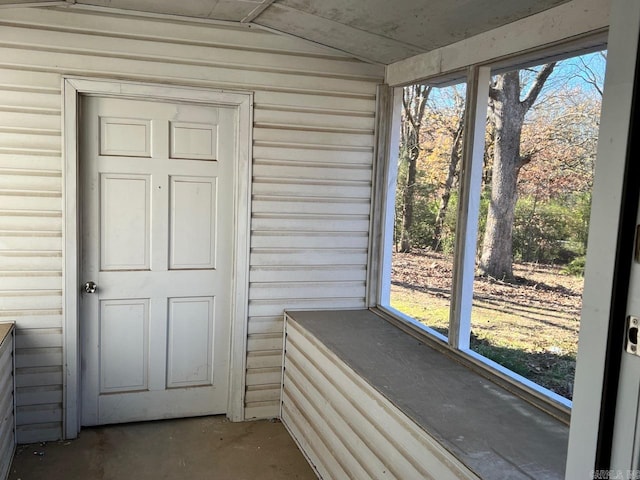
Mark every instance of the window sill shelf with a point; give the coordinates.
(538, 396)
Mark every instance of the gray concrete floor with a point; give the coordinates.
(193, 449)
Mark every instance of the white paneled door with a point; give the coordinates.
(157, 231)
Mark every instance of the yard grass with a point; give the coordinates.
(530, 328)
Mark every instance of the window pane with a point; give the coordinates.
(426, 203)
(536, 197)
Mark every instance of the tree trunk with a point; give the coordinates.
(414, 101)
(497, 256)
(454, 159)
(407, 201)
(509, 111)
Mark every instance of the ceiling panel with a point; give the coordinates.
(380, 31)
(357, 42)
(426, 24)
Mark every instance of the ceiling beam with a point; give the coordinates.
(41, 3)
(256, 12)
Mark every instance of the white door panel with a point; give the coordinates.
(124, 334)
(157, 232)
(192, 232)
(125, 221)
(194, 140)
(191, 325)
(128, 137)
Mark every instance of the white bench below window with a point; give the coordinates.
(364, 399)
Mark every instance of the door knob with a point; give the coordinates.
(90, 287)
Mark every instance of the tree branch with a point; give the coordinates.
(538, 83)
(590, 77)
(406, 96)
(414, 101)
(493, 93)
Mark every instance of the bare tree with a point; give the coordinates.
(414, 100)
(592, 76)
(509, 114)
(456, 133)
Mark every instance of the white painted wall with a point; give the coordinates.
(313, 152)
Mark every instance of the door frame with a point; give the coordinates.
(596, 392)
(72, 88)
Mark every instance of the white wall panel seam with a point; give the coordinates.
(254, 44)
(200, 80)
(184, 61)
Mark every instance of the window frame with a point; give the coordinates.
(477, 78)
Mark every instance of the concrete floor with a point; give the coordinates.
(193, 449)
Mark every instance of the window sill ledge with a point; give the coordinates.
(540, 397)
(493, 432)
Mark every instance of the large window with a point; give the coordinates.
(492, 207)
(425, 204)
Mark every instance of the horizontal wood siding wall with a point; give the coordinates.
(346, 428)
(313, 150)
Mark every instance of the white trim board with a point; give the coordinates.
(570, 21)
(72, 88)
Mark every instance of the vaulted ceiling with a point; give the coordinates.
(380, 31)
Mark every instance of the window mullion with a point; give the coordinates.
(389, 190)
(469, 207)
